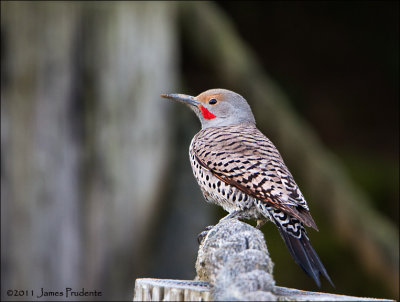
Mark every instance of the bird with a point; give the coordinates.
(238, 168)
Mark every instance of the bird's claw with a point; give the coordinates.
(260, 223)
(204, 233)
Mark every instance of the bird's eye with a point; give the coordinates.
(212, 101)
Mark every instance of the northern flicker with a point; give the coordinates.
(240, 169)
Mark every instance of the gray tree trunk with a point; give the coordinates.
(84, 140)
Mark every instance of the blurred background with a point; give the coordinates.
(96, 184)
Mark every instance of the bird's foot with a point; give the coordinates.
(233, 215)
(260, 223)
(204, 233)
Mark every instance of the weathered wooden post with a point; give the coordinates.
(233, 264)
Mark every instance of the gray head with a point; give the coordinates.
(217, 107)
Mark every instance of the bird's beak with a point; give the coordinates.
(186, 99)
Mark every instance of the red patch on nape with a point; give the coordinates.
(206, 114)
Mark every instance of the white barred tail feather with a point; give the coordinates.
(304, 254)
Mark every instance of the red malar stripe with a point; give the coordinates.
(206, 114)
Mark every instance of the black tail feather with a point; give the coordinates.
(305, 256)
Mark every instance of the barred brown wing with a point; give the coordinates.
(243, 157)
